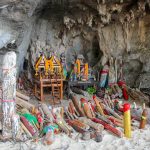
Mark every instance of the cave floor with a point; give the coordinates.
(140, 141)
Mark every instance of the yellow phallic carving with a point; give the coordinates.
(49, 66)
(78, 66)
(86, 71)
(84, 66)
(57, 66)
(40, 63)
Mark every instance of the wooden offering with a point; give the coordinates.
(143, 119)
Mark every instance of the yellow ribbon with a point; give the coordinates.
(143, 117)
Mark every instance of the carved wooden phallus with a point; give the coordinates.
(10, 123)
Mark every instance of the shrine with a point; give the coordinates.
(49, 73)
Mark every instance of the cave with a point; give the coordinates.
(96, 52)
(110, 37)
(75, 27)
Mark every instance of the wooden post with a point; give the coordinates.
(24, 103)
(9, 95)
(41, 88)
(22, 96)
(61, 90)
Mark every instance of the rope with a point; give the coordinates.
(7, 100)
(8, 68)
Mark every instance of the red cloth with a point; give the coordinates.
(124, 90)
(126, 107)
(121, 83)
(39, 118)
(93, 107)
(94, 96)
(125, 95)
(104, 71)
(83, 100)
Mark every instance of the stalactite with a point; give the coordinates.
(127, 36)
(98, 1)
(103, 1)
(141, 31)
(105, 49)
(112, 77)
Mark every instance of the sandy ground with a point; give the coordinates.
(140, 141)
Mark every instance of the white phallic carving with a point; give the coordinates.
(9, 123)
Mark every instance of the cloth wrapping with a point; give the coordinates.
(9, 95)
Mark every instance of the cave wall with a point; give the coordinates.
(47, 38)
(16, 20)
(129, 41)
(132, 44)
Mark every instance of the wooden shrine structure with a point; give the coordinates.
(49, 73)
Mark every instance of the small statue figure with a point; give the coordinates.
(104, 76)
(82, 68)
(20, 84)
(63, 62)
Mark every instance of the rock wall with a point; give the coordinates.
(132, 44)
(127, 41)
(47, 38)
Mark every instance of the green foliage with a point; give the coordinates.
(91, 90)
